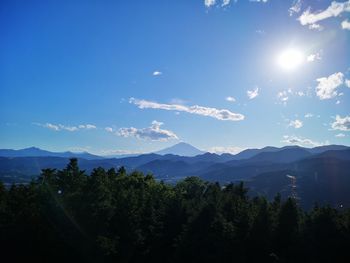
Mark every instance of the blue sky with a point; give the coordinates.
(135, 76)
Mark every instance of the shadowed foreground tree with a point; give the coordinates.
(111, 216)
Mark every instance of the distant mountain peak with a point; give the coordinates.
(183, 144)
(32, 148)
(182, 149)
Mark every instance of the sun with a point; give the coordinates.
(290, 59)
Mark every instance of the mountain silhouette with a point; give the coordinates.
(37, 152)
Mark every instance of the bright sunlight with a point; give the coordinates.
(290, 59)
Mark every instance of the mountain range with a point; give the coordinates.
(320, 174)
(182, 149)
(37, 152)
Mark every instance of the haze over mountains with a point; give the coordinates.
(266, 171)
(37, 152)
(181, 149)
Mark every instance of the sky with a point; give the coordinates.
(119, 77)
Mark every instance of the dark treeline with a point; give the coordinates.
(111, 216)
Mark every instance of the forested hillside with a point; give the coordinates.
(111, 216)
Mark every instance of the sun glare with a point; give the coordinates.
(290, 59)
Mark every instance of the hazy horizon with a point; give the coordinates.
(156, 151)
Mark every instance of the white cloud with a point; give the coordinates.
(308, 115)
(301, 141)
(87, 126)
(347, 83)
(341, 124)
(297, 124)
(283, 96)
(259, 1)
(316, 27)
(228, 149)
(79, 149)
(313, 57)
(60, 127)
(260, 31)
(337, 102)
(68, 128)
(327, 86)
(50, 126)
(109, 129)
(153, 133)
(225, 2)
(209, 3)
(118, 152)
(334, 10)
(157, 73)
(253, 93)
(295, 8)
(230, 99)
(345, 24)
(340, 135)
(220, 114)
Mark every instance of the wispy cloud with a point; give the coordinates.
(308, 115)
(49, 126)
(327, 86)
(209, 3)
(259, 1)
(260, 32)
(225, 149)
(87, 126)
(61, 127)
(79, 149)
(153, 133)
(107, 152)
(313, 57)
(340, 135)
(317, 27)
(220, 114)
(218, 3)
(295, 8)
(300, 141)
(283, 96)
(157, 73)
(345, 24)
(253, 93)
(226, 2)
(347, 83)
(230, 99)
(341, 124)
(334, 10)
(297, 124)
(109, 129)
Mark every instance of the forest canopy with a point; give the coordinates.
(115, 216)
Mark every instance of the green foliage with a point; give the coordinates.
(112, 216)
